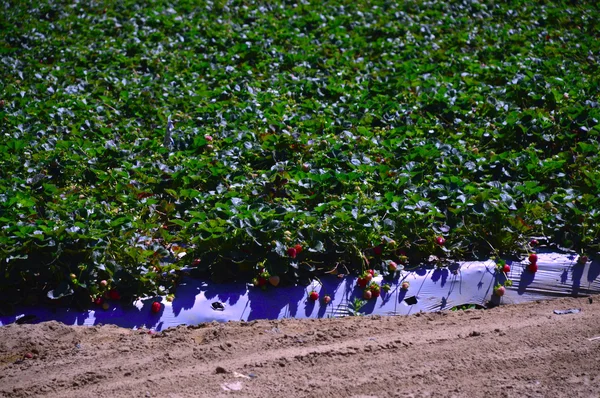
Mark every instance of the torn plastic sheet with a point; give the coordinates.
(430, 290)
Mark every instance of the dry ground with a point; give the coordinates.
(515, 351)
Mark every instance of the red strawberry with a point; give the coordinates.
(405, 285)
(533, 258)
(156, 306)
(208, 138)
(372, 272)
(262, 281)
(291, 252)
(377, 250)
(362, 283)
(326, 299)
(298, 248)
(533, 267)
(499, 291)
(99, 301)
(368, 277)
(367, 294)
(440, 240)
(314, 296)
(274, 280)
(375, 292)
(392, 266)
(114, 295)
(506, 268)
(533, 242)
(582, 260)
(196, 262)
(29, 355)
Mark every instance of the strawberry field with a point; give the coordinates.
(252, 141)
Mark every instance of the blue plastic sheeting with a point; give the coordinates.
(433, 290)
(558, 275)
(430, 290)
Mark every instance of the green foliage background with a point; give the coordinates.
(349, 124)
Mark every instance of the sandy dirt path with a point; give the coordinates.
(511, 351)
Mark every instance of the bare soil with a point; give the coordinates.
(510, 351)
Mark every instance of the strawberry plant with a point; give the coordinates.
(146, 141)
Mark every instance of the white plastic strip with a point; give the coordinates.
(430, 290)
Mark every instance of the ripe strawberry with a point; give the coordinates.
(326, 299)
(362, 283)
(155, 308)
(103, 283)
(28, 355)
(291, 252)
(392, 266)
(367, 295)
(532, 267)
(196, 262)
(375, 291)
(314, 296)
(506, 268)
(533, 242)
(114, 295)
(274, 280)
(499, 291)
(533, 258)
(377, 250)
(208, 138)
(298, 248)
(405, 285)
(582, 260)
(368, 277)
(99, 301)
(372, 272)
(262, 282)
(440, 240)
